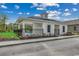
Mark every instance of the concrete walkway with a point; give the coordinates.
(18, 42)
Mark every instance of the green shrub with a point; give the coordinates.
(8, 35)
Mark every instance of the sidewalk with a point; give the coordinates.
(27, 41)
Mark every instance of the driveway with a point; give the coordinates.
(66, 47)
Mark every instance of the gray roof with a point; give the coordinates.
(72, 22)
(35, 17)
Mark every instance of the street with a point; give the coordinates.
(66, 47)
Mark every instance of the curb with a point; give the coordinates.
(37, 41)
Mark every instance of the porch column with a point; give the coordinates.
(66, 28)
(23, 29)
(52, 29)
(45, 28)
(60, 29)
(33, 32)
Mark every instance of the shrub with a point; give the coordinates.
(8, 35)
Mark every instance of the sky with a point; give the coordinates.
(57, 11)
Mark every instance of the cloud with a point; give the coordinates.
(75, 3)
(34, 5)
(9, 11)
(53, 13)
(66, 9)
(54, 17)
(40, 8)
(37, 15)
(27, 13)
(74, 9)
(58, 18)
(49, 4)
(20, 13)
(3, 6)
(43, 6)
(17, 6)
(67, 14)
(53, 4)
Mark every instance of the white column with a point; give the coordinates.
(33, 28)
(61, 29)
(66, 28)
(52, 29)
(23, 30)
(45, 28)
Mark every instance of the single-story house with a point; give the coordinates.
(72, 26)
(42, 26)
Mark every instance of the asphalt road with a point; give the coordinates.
(66, 47)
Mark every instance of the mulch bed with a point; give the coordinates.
(25, 38)
(2, 39)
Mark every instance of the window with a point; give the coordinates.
(63, 28)
(48, 28)
(28, 28)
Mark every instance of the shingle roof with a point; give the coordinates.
(70, 22)
(35, 17)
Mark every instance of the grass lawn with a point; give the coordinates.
(8, 35)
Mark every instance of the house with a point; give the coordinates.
(73, 26)
(42, 26)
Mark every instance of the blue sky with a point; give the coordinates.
(58, 11)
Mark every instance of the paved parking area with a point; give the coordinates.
(66, 47)
(18, 42)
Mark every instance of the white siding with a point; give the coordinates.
(61, 29)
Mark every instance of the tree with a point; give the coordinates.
(20, 19)
(9, 27)
(3, 19)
